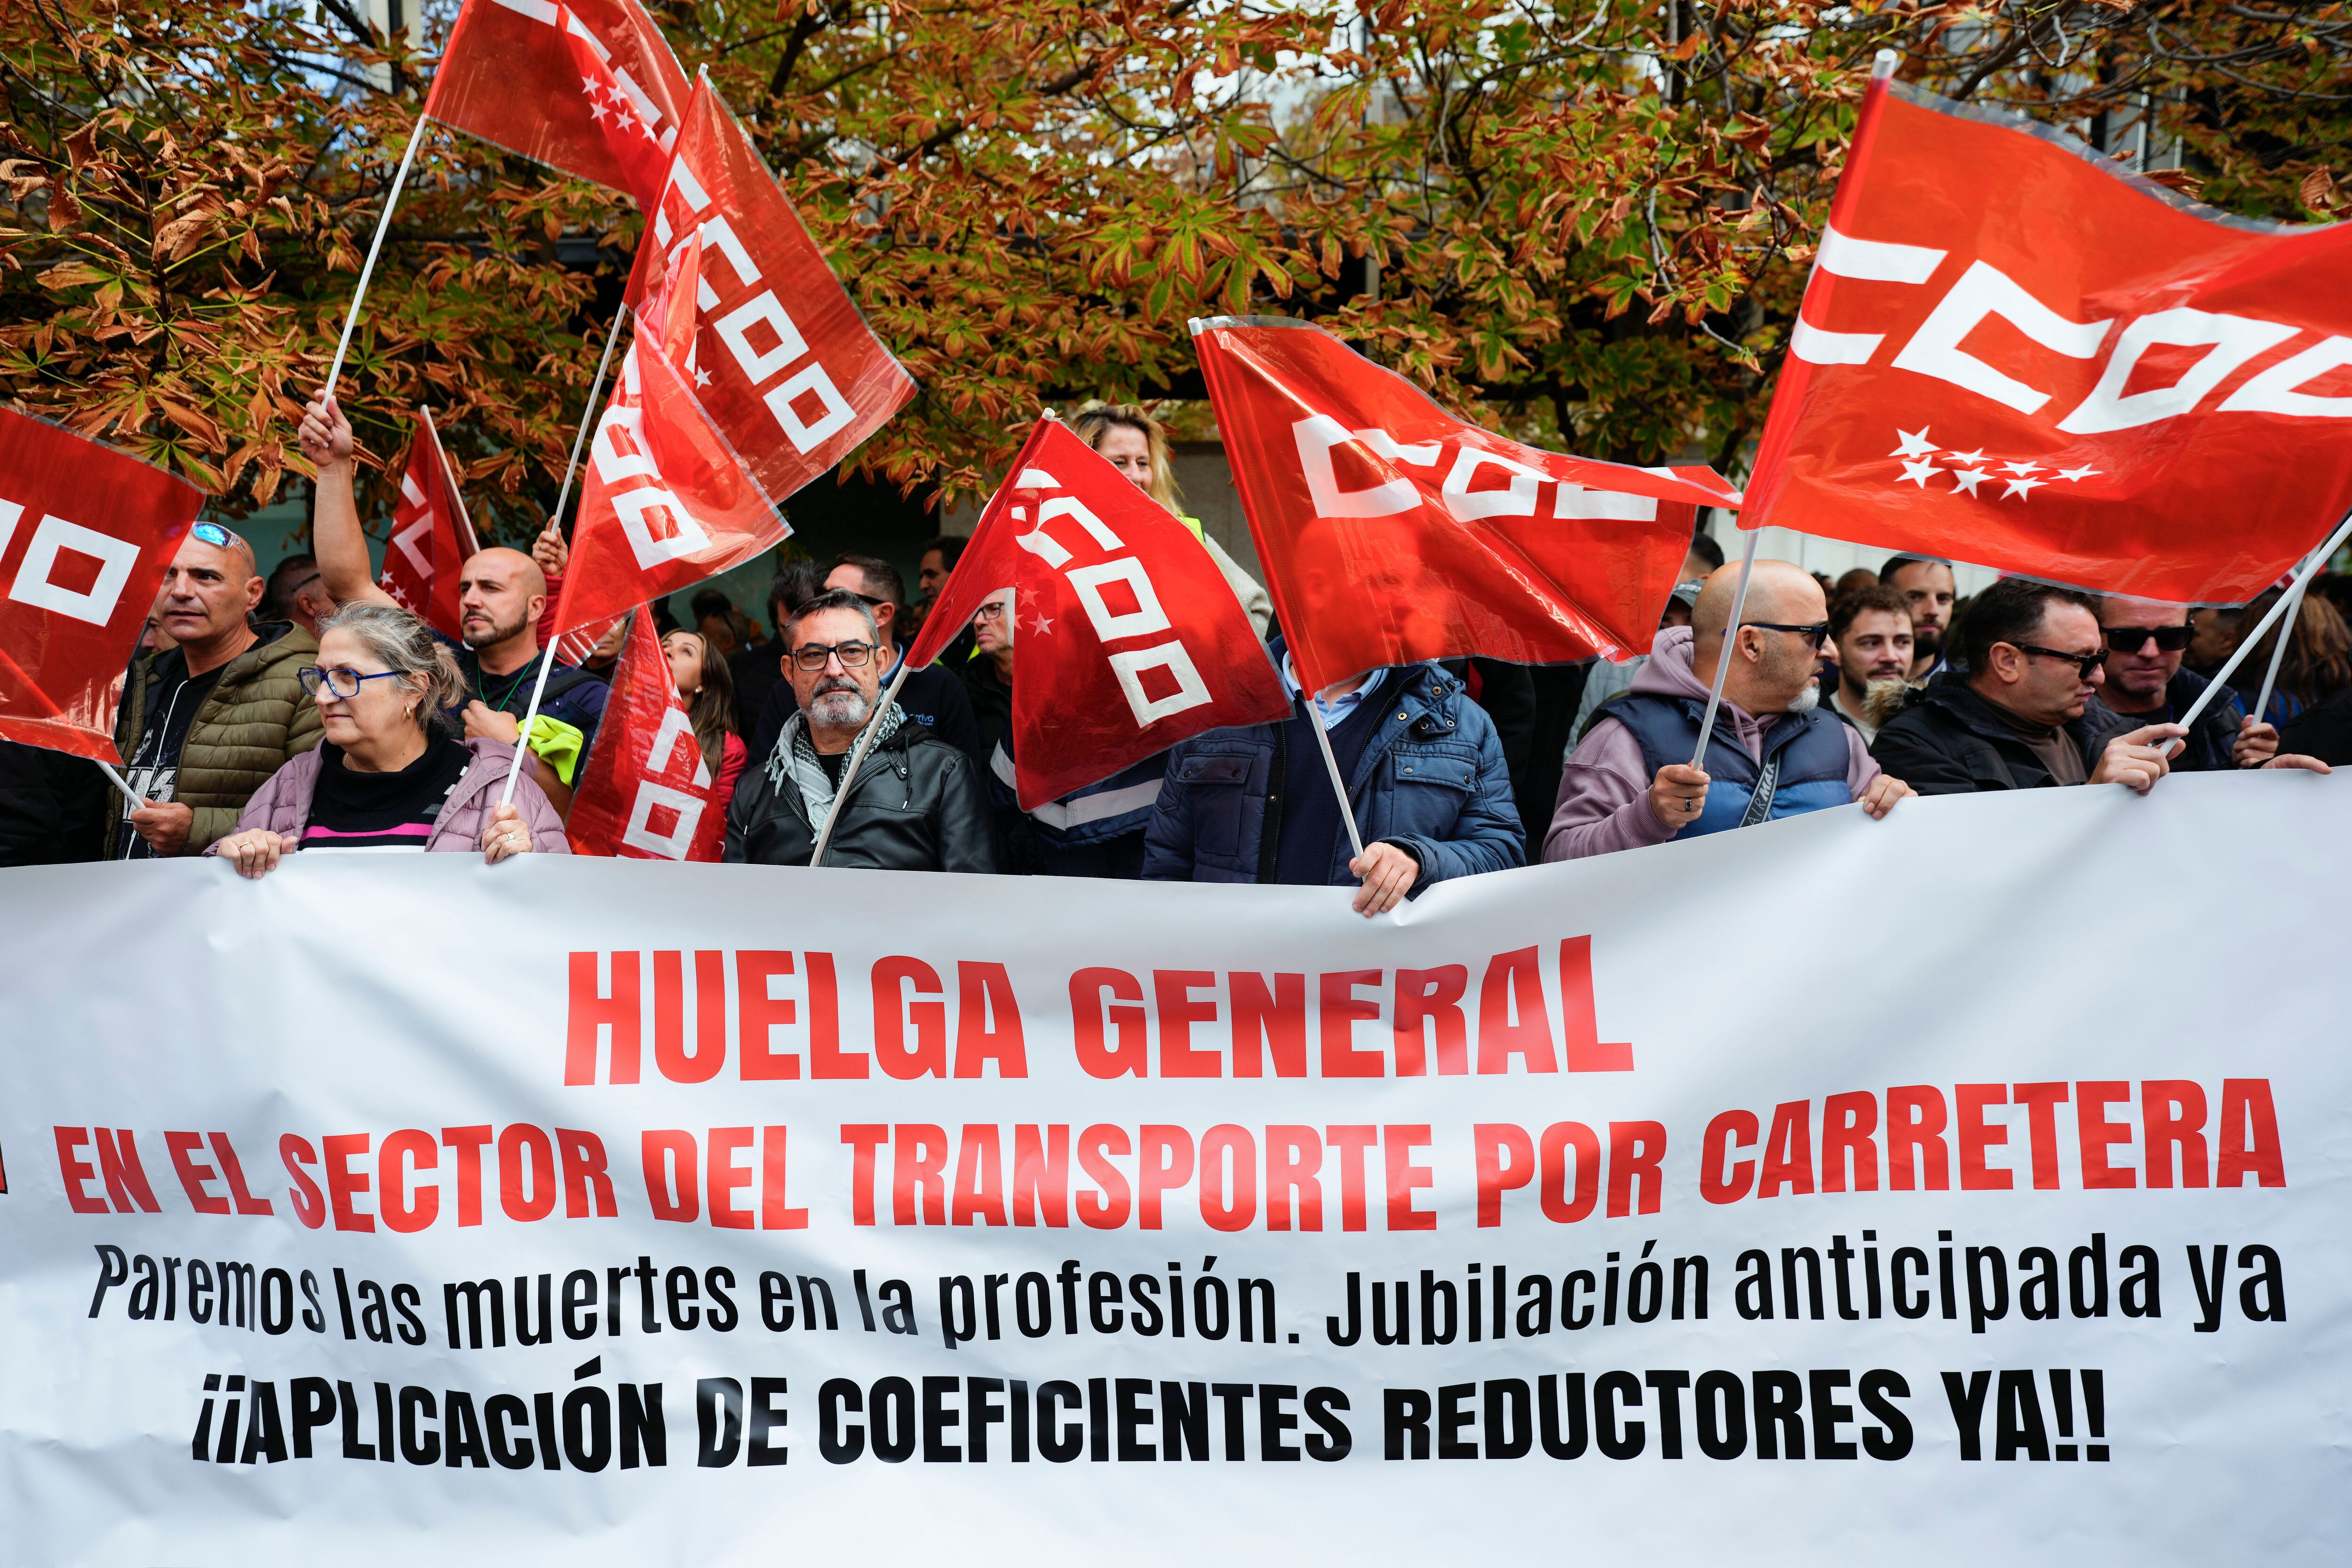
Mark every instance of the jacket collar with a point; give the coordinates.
(1950, 691)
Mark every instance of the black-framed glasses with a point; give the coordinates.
(2131, 639)
(991, 611)
(811, 657)
(2084, 663)
(1814, 635)
(343, 680)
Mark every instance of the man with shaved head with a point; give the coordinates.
(204, 723)
(500, 594)
(1774, 753)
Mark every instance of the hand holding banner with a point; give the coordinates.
(1130, 639)
(2013, 351)
(86, 533)
(1391, 532)
(646, 793)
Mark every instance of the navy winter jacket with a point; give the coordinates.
(1432, 781)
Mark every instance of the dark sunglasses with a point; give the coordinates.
(2084, 663)
(2131, 639)
(1814, 635)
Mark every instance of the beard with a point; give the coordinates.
(1808, 699)
(498, 632)
(840, 705)
(1926, 641)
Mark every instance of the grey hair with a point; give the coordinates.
(406, 646)
(836, 599)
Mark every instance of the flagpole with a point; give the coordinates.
(1331, 766)
(857, 755)
(2278, 653)
(122, 784)
(2246, 643)
(547, 663)
(367, 268)
(473, 540)
(1723, 654)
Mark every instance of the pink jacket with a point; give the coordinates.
(283, 805)
(1604, 805)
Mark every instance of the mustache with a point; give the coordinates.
(827, 688)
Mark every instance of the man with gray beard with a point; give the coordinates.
(1774, 751)
(914, 805)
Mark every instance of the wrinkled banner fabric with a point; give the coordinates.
(1968, 1187)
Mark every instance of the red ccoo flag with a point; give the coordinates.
(1391, 532)
(431, 537)
(664, 502)
(791, 373)
(508, 76)
(2013, 351)
(85, 535)
(1130, 639)
(646, 793)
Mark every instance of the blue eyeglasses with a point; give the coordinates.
(341, 681)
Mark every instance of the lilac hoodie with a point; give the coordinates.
(1605, 792)
(283, 805)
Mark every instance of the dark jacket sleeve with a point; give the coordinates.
(958, 725)
(750, 799)
(774, 714)
(1906, 750)
(2324, 731)
(1508, 693)
(965, 842)
(50, 808)
(1486, 834)
(1168, 838)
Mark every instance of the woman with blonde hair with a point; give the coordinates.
(389, 774)
(1136, 444)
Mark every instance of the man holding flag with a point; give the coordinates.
(500, 594)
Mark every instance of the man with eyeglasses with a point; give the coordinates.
(2145, 684)
(1774, 751)
(2016, 719)
(915, 803)
(206, 721)
(933, 697)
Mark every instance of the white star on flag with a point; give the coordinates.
(588, 84)
(1971, 458)
(701, 376)
(1041, 623)
(1920, 472)
(2019, 488)
(1966, 481)
(1914, 444)
(2021, 467)
(2072, 474)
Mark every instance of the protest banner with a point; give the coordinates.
(1079, 1219)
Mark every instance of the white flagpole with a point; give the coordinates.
(1331, 766)
(473, 540)
(2278, 652)
(122, 784)
(1723, 654)
(547, 659)
(856, 756)
(2246, 642)
(367, 268)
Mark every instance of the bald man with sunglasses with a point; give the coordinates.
(1774, 751)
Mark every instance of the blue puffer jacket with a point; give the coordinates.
(1433, 782)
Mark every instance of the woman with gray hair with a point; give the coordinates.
(390, 775)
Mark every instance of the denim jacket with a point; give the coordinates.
(1432, 781)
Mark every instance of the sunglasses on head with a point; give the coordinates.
(214, 535)
(2131, 639)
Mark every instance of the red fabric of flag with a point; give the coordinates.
(86, 533)
(1127, 637)
(1391, 532)
(789, 369)
(2014, 353)
(509, 76)
(431, 537)
(665, 500)
(646, 793)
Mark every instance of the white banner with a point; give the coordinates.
(1965, 1188)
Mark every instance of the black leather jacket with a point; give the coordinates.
(914, 806)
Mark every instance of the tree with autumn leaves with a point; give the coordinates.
(1588, 223)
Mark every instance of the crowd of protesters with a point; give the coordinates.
(309, 713)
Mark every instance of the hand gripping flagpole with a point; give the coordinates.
(2278, 650)
(2319, 558)
(367, 268)
(547, 658)
(856, 756)
(1723, 654)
